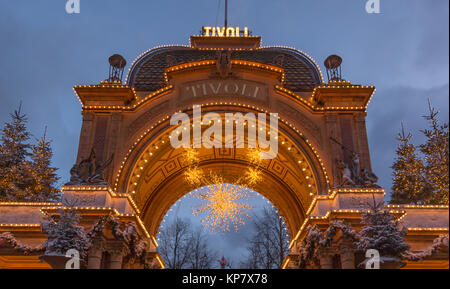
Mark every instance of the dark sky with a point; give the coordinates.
(403, 51)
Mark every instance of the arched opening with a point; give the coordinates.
(153, 172)
(183, 238)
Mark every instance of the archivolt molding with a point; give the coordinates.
(158, 204)
(150, 144)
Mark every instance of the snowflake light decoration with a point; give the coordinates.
(221, 199)
(221, 205)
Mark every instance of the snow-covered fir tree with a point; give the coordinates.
(409, 185)
(65, 234)
(309, 247)
(435, 150)
(44, 175)
(381, 232)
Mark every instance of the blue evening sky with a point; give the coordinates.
(403, 51)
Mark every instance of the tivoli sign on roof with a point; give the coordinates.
(225, 31)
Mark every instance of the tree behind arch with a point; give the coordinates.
(436, 153)
(409, 185)
(269, 245)
(25, 171)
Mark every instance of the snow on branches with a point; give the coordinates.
(126, 232)
(381, 232)
(8, 240)
(65, 234)
(438, 244)
(316, 239)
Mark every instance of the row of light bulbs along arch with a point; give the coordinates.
(304, 168)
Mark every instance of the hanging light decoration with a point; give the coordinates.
(222, 202)
(221, 205)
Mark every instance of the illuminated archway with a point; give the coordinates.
(232, 244)
(153, 172)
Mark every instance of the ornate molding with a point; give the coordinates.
(144, 119)
(297, 116)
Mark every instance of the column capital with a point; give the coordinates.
(347, 248)
(116, 247)
(97, 244)
(360, 116)
(116, 116)
(88, 116)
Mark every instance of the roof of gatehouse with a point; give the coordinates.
(147, 71)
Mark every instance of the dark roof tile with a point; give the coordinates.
(147, 74)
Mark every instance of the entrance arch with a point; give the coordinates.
(316, 121)
(153, 171)
(135, 175)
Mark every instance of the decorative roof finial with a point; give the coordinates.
(333, 65)
(116, 67)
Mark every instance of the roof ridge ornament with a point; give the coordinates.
(223, 63)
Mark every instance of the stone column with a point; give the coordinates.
(347, 257)
(117, 249)
(326, 260)
(116, 260)
(126, 264)
(95, 255)
(112, 143)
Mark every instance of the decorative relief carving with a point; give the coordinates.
(224, 63)
(79, 199)
(171, 60)
(350, 174)
(279, 60)
(89, 171)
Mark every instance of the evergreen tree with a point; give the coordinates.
(436, 155)
(44, 175)
(381, 232)
(65, 234)
(409, 185)
(25, 171)
(15, 174)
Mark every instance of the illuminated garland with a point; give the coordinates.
(438, 244)
(316, 240)
(129, 235)
(8, 240)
